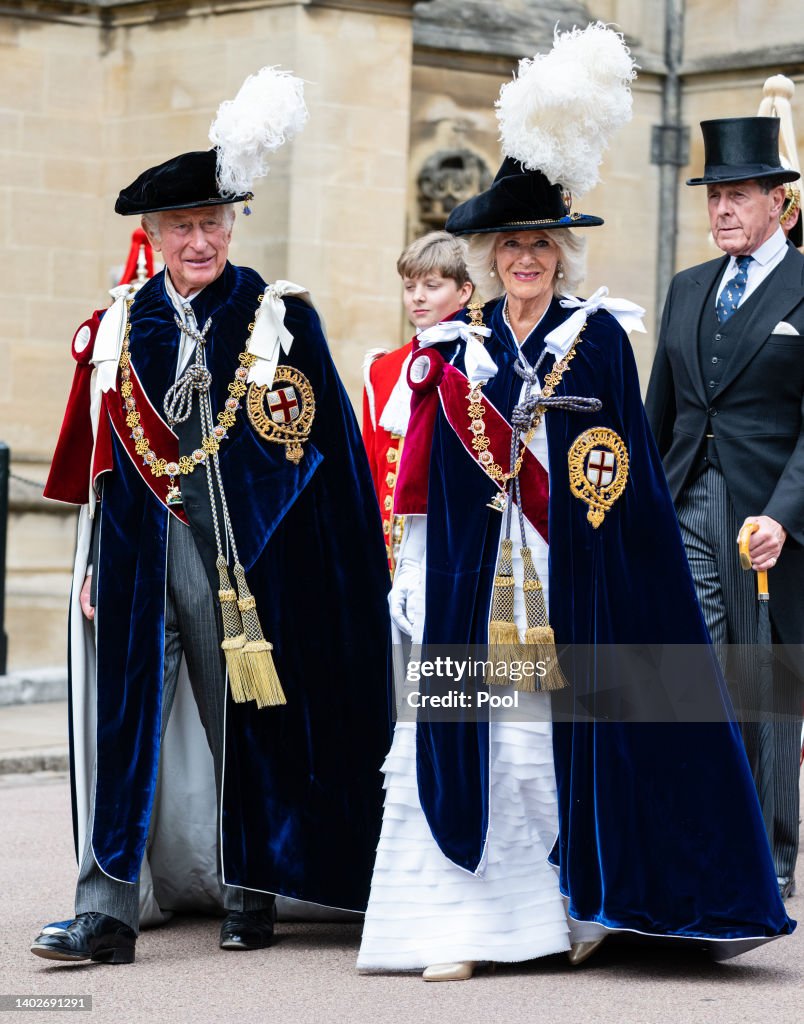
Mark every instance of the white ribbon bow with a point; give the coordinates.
(109, 339)
(627, 314)
(396, 414)
(479, 364)
(270, 336)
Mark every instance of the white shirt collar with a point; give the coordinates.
(770, 248)
(179, 301)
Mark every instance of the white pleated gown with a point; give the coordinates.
(423, 908)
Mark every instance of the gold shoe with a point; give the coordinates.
(462, 971)
(581, 951)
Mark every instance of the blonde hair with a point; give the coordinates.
(480, 262)
(437, 252)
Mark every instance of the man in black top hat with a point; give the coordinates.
(725, 404)
(227, 493)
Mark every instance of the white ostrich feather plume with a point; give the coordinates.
(558, 114)
(268, 110)
(777, 92)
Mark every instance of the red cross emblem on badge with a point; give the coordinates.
(283, 405)
(600, 467)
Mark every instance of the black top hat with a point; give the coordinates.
(740, 148)
(518, 200)
(184, 181)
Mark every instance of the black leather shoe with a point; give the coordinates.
(56, 927)
(248, 929)
(787, 887)
(90, 936)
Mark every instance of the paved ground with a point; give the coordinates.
(309, 977)
(33, 737)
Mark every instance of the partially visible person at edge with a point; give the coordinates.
(726, 405)
(435, 284)
(777, 95)
(263, 506)
(659, 829)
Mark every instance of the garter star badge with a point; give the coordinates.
(598, 470)
(283, 415)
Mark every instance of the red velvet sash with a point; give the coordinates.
(453, 391)
(163, 441)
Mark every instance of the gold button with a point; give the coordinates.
(386, 527)
(390, 480)
(392, 455)
(388, 503)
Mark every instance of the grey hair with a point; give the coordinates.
(480, 262)
(150, 221)
(766, 185)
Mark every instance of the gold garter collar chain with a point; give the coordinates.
(249, 662)
(481, 443)
(209, 444)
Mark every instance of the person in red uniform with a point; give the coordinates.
(435, 284)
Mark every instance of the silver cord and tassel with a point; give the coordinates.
(539, 642)
(178, 404)
(249, 662)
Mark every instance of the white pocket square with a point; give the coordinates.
(783, 327)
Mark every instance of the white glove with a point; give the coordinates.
(405, 599)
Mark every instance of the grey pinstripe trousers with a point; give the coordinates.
(191, 628)
(727, 595)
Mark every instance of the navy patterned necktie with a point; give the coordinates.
(729, 298)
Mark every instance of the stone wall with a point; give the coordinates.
(52, 275)
(85, 105)
(741, 34)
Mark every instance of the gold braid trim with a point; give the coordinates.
(476, 410)
(209, 445)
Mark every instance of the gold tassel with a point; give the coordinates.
(541, 643)
(259, 674)
(234, 636)
(504, 645)
(539, 636)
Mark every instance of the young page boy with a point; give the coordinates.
(435, 285)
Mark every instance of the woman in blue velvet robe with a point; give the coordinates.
(659, 828)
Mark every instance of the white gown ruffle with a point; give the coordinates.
(424, 909)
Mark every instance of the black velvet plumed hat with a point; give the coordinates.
(517, 200)
(267, 111)
(184, 181)
(741, 148)
(556, 118)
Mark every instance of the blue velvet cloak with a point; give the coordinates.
(302, 796)
(659, 825)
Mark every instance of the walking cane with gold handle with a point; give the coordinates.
(765, 738)
(743, 542)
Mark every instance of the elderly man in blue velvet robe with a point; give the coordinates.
(222, 478)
